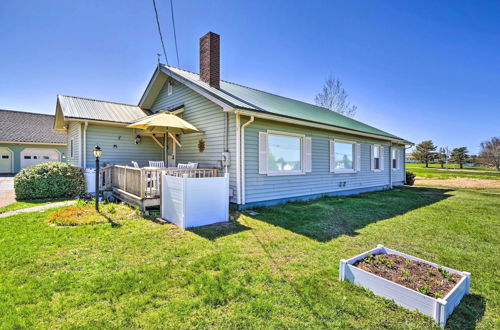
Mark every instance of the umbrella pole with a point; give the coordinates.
(166, 148)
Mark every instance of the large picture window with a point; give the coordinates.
(284, 153)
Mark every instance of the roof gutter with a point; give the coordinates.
(35, 143)
(289, 120)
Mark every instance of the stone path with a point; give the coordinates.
(36, 208)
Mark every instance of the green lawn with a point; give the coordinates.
(277, 269)
(453, 166)
(25, 204)
(436, 172)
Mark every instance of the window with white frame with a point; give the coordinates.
(169, 88)
(282, 153)
(345, 156)
(377, 158)
(395, 159)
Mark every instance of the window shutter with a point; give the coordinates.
(332, 155)
(262, 153)
(397, 159)
(307, 154)
(381, 158)
(357, 151)
(372, 159)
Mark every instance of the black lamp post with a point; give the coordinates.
(97, 154)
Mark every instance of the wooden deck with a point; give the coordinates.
(142, 186)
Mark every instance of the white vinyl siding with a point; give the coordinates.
(320, 180)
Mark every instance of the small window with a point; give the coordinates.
(46, 157)
(35, 157)
(5, 156)
(27, 157)
(71, 148)
(169, 88)
(285, 153)
(376, 157)
(395, 159)
(343, 156)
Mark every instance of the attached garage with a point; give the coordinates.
(27, 139)
(6, 160)
(32, 156)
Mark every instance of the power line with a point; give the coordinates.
(175, 34)
(159, 31)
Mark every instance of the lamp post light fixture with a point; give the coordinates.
(97, 154)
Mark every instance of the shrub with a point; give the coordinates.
(49, 180)
(410, 178)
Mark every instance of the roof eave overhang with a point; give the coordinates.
(295, 121)
(59, 120)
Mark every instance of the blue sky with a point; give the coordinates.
(418, 69)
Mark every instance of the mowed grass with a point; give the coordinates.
(436, 172)
(277, 269)
(452, 166)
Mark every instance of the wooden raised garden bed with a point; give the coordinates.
(411, 282)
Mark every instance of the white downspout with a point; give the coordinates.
(238, 163)
(390, 166)
(85, 145)
(243, 158)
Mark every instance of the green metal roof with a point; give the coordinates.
(244, 97)
(84, 108)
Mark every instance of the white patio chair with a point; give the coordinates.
(182, 166)
(156, 163)
(192, 166)
(135, 164)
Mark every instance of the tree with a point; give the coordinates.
(442, 156)
(333, 96)
(490, 153)
(425, 152)
(459, 156)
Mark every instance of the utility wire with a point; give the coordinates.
(175, 34)
(159, 31)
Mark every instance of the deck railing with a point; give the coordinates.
(198, 173)
(144, 183)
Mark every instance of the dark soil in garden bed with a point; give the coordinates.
(424, 278)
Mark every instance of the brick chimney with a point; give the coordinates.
(210, 59)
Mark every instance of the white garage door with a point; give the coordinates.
(5, 160)
(32, 156)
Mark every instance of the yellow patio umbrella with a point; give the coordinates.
(166, 123)
(163, 122)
